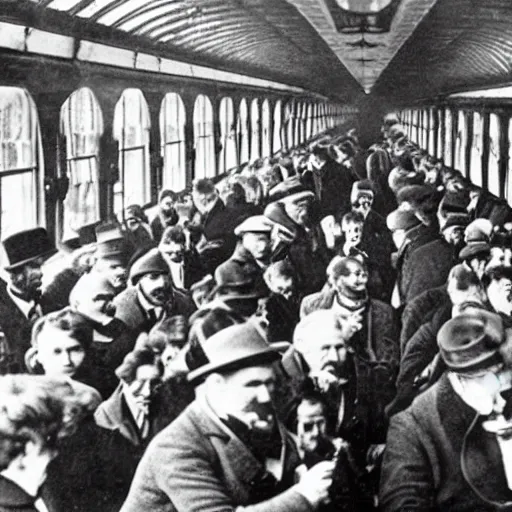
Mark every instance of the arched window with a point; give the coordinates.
(255, 129)
(461, 143)
(494, 154)
(265, 128)
(277, 146)
(242, 132)
(81, 124)
(227, 157)
(475, 161)
(204, 138)
(172, 136)
(21, 162)
(448, 139)
(131, 130)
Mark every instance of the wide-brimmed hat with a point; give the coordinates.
(111, 243)
(26, 246)
(233, 348)
(474, 249)
(291, 189)
(470, 342)
(150, 263)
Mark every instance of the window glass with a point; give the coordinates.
(448, 140)
(475, 162)
(289, 121)
(132, 123)
(243, 134)
(81, 124)
(265, 128)
(440, 115)
(204, 138)
(508, 188)
(431, 131)
(309, 121)
(21, 162)
(415, 124)
(172, 136)
(461, 143)
(494, 154)
(227, 157)
(277, 127)
(255, 130)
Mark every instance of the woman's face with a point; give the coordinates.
(58, 353)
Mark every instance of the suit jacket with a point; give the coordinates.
(196, 463)
(13, 498)
(193, 270)
(130, 311)
(17, 330)
(437, 454)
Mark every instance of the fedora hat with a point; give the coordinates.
(291, 189)
(232, 348)
(474, 249)
(471, 342)
(26, 246)
(111, 242)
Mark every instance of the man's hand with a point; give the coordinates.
(315, 483)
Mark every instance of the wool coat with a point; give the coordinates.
(130, 311)
(437, 455)
(242, 267)
(196, 463)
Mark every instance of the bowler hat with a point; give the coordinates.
(26, 246)
(151, 263)
(254, 224)
(291, 189)
(470, 342)
(233, 348)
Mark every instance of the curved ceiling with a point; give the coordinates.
(459, 45)
(264, 38)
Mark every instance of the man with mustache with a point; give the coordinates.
(151, 295)
(228, 451)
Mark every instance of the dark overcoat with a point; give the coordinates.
(437, 455)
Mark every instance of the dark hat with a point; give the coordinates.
(291, 189)
(135, 211)
(474, 249)
(470, 342)
(167, 193)
(111, 243)
(151, 262)
(360, 189)
(26, 246)
(456, 219)
(415, 195)
(402, 219)
(233, 348)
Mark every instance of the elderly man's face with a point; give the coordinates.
(299, 211)
(326, 355)
(29, 278)
(248, 396)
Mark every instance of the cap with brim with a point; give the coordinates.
(402, 219)
(254, 224)
(150, 263)
(290, 190)
(236, 347)
(27, 246)
(470, 342)
(474, 249)
(456, 219)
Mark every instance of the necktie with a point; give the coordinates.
(152, 316)
(142, 424)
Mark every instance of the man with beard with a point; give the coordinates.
(151, 296)
(21, 302)
(167, 215)
(185, 265)
(296, 236)
(355, 385)
(227, 450)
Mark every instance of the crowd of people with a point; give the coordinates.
(329, 330)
